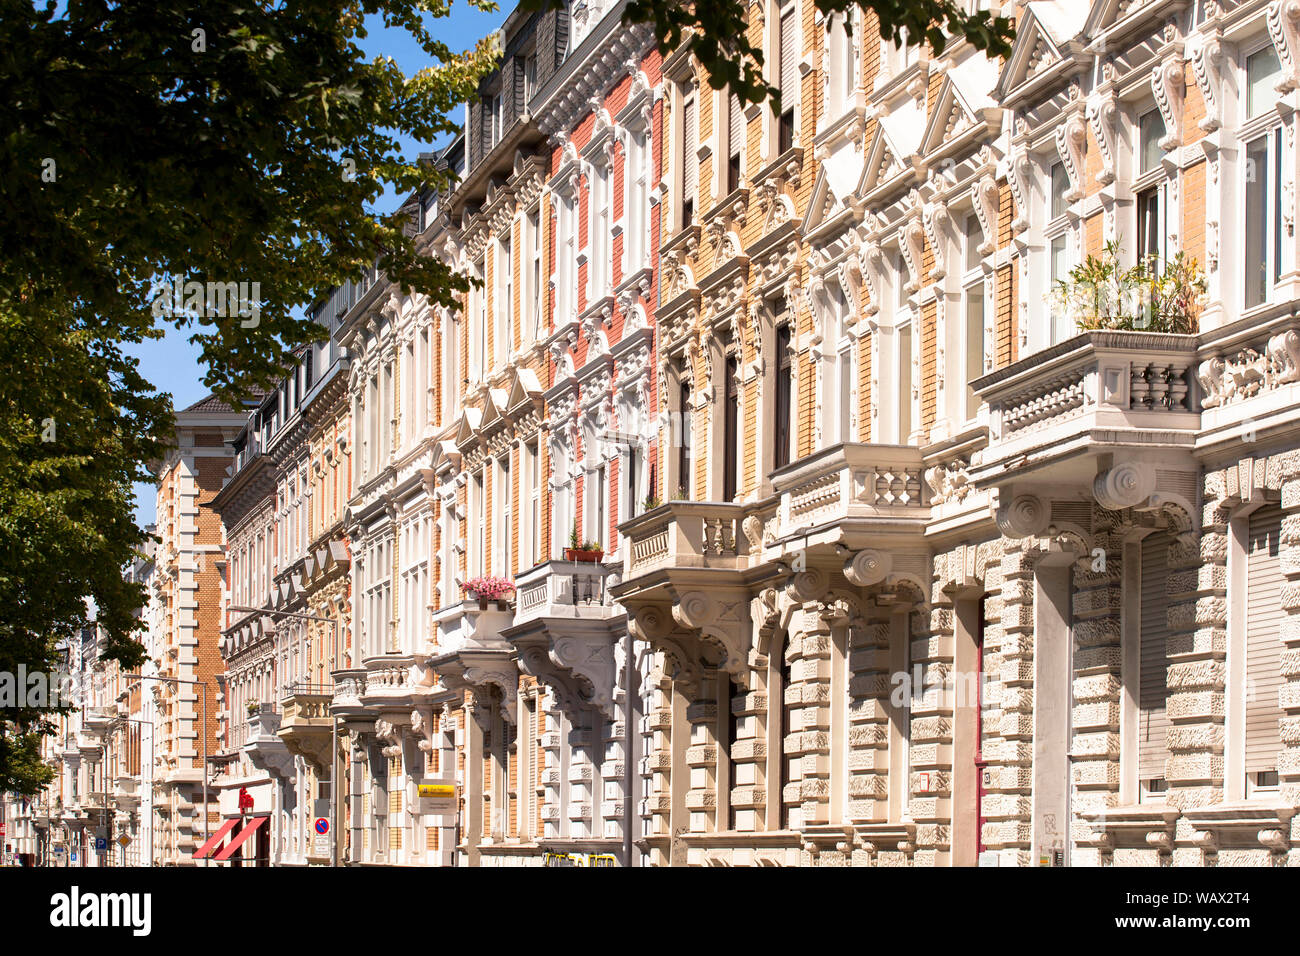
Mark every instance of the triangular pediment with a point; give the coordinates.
(493, 415)
(1033, 51)
(525, 390)
(882, 163)
(467, 428)
(951, 115)
(821, 204)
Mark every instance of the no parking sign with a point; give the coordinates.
(322, 826)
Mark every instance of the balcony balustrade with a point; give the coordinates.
(307, 723)
(1110, 415)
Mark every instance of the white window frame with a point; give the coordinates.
(1267, 125)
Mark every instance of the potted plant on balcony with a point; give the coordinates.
(1150, 296)
(586, 551)
(490, 589)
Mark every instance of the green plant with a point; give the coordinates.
(651, 501)
(573, 536)
(1149, 296)
(680, 493)
(253, 708)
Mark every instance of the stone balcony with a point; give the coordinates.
(683, 582)
(474, 655)
(565, 628)
(349, 688)
(1107, 414)
(396, 682)
(847, 496)
(262, 743)
(307, 722)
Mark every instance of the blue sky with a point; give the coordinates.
(172, 363)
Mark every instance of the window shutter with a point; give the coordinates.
(1153, 719)
(735, 127)
(1264, 617)
(690, 159)
(789, 79)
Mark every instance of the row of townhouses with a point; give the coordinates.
(761, 504)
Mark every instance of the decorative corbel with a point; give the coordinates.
(1207, 66)
(1283, 19)
(1102, 114)
(1169, 86)
(1071, 140)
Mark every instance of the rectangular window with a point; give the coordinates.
(505, 531)
(690, 160)
(784, 394)
(1062, 323)
(529, 496)
(904, 383)
(531, 308)
(788, 73)
(504, 299)
(1263, 671)
(633, 477)
(1262, 73)
(1263, 214)
(476, 534)
(735, 140)
(1151, 224)
(600, 533)
(1151, 129)
(730, 430)
(974, 344)
(1153, 720)
(1060, 187)
(684, 437)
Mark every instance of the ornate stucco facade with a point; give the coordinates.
(832, 540)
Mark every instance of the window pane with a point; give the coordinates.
(904, 384)
(1150, 229)
(1151, 129)
(1062, 324)
(1060, 186)
(1256, 266)
(1262, 70)
(974, 236)
(974, 344)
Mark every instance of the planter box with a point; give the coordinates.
(578, 554)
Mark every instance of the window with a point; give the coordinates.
(503, 531)
(904, 383)
(637, 205)
(530, 76)
(689, 160)
(788, 75)
(973, 302)
(1060, 188)
(684, 437)
(735, 141)
(504, 299)
(1151, 129)
(1153, 719)
(1151, 224)
(478, 335)
(600, 229)
(731, 430)
(530, 506)
(566, 298)
(784, 395)
(475, 537)
(530, 318)
(631, 494)
(1262, 73)
(1263, 644)
(1263, 217)
(599, 531)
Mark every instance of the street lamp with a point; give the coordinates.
(203, 688)
(144, 723)
(334, 719)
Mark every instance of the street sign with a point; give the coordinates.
(59, 849)
(321, 846)
(124, 840)
(101, 843)
(74, 856)
(322, 826)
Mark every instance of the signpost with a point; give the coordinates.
(124, 841)
(437, 796)
(321, 842)
(101, 844)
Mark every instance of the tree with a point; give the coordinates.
(717, 34)
(221, 142)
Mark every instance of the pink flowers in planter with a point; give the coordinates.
(490, 588)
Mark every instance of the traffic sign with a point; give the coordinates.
(124, 840)
(322, 825)
(101, 843)
(74, 856)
